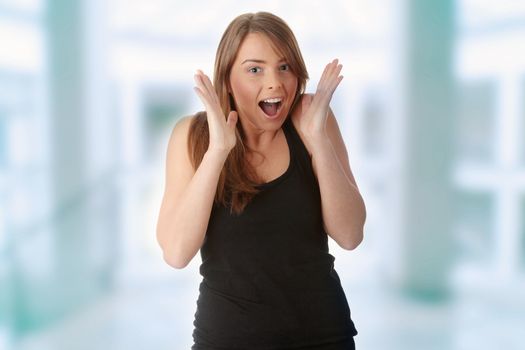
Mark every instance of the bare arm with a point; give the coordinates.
(188, 199)
(189, 193)
(343, 208)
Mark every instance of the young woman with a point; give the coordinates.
(257, 182)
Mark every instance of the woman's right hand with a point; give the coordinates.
(222, 131)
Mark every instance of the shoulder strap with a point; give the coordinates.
(296, 141)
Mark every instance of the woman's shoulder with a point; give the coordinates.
(183, 128)
(195, 117)
(185, 123)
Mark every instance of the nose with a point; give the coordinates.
(273, 80)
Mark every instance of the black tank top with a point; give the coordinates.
(268, 278)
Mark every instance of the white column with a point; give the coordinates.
(507, 215)
(427, 148)
(81, 160)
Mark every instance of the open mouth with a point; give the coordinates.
(271, 106)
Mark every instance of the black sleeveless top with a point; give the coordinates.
(268, 278)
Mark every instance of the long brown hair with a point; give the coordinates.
(237, 181)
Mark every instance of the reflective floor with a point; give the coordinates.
(156, 312)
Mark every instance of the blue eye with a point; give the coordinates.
(254, 69)
(285, 67)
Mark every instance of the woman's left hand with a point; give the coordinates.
(312, 121)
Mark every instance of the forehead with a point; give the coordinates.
(258, 46)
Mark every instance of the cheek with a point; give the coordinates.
(291, 86)
(243, 92)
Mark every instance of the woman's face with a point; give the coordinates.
(262, 84)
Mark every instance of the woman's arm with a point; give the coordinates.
(189, 194)
(188, 198)
(343, 208)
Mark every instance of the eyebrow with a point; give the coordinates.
(260, 61)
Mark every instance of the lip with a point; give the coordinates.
(270, 97)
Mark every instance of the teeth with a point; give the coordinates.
(273, 100)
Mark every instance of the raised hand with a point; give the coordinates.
(315, 109)
(222, 131)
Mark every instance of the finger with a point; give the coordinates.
(334, 70)
(202, 88)
(324, 74)
(232, 119)
(335, 65)
(338, 68)
(200, 79)
(336, 84)
(200, 84)
(324, 94)
(207, 91)
(330, 70)
(202, 97)
(333, 79)
(330, 66)
(209, 86)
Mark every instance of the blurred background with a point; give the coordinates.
(431, 109)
